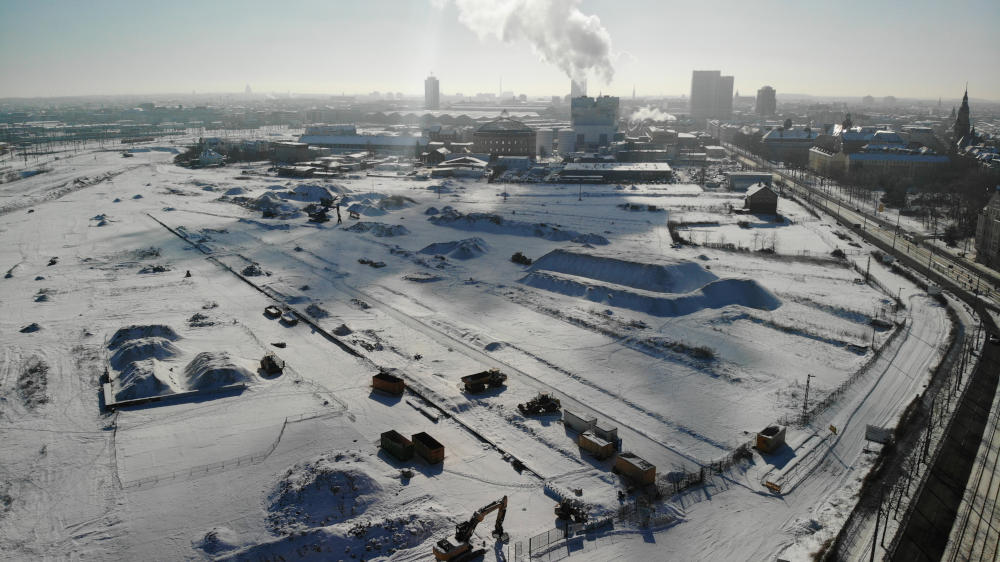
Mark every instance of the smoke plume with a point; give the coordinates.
(650, 114)
(557, 31)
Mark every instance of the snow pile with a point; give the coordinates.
(232, 191)
(379, 229)
(156, 268)
(461, 249)
(367, 208)
(432, 211)
(320, 492)
(422, 277)
(396, 202)
(666, 276)
(310, 193)
(495, 224)
(218, 540)
(140, 380)
(717, 294)
(674, 288)
(141, 349)
(135, 332)
(210, 370)
(272, 204)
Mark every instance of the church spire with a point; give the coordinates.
(962, 124)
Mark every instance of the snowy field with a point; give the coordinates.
(687, 350)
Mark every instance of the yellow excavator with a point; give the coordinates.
(461, 549)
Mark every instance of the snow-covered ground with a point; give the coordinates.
(686, 350)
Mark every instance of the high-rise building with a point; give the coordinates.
(595, 120)
(578, 88)
(767, 103)
(711, 95)
(432, 93)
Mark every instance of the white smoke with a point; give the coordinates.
(557, 31)
(650, 114)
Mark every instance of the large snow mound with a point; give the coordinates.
(311, 193)
(271, 203)
(379, 229)
(142, 349)
(460, 249)
(394, 202)
(210, 370)
(320, 492)
(140, 380)
(717, 294)
(495, 224)
(665, 277)
(144, 331)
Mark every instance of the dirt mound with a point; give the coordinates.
(199, 320)
(432, 211)
(461, 249)
(33, 382)
(154, 269)
(495, 224)
(317, 311)
(379, 229)
(235, 191)
(141, 331)
(210, 370)
(321, 492)
(421, 277)
(252, 270)
(663, 277)
(30, 328)
(343, 330)
(141, 349)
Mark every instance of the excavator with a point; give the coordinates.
(461, 549)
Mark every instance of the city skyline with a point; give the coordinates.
(56, 49)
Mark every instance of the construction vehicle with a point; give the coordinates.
(461, 548)
(479, 382)
(542, 404)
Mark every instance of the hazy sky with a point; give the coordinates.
(913, 48)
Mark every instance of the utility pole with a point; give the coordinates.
(894, 232)
(878, 517)
(805, 403)
(868, 268)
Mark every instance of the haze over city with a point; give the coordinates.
(924, 49)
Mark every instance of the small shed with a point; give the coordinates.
(771, 438)
(397, 445)
(635, 468)
(606, 431)
(271, 364)
(388, 383)
(762, 199)
(595, 445)
(428, 448)
(578, 423)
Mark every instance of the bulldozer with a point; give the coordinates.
(540, 405)
(461, 549)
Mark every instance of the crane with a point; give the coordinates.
(461, 549)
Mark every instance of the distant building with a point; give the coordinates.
(988, 233)
(869, 151)
(504, 137)
(711, 95)
(761, 199)
(767, 103)
(789, 145)
(595, 121)
(432, 93)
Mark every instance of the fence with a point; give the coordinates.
(228, 464)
